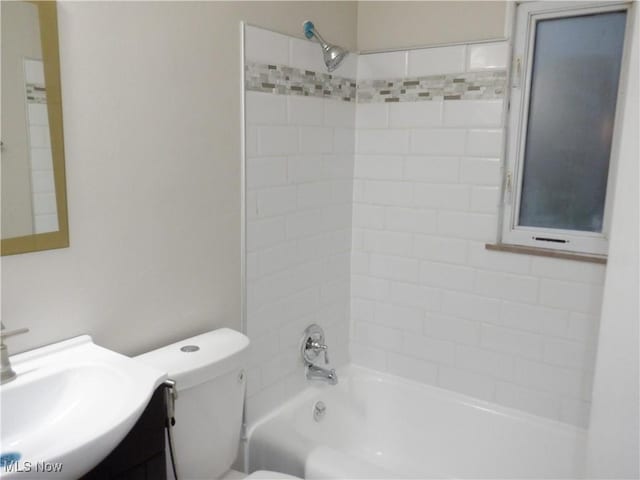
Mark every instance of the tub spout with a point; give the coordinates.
(319, 373)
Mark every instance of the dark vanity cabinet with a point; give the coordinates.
(141, 454)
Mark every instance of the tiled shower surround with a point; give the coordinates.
(299, 190)
(412, 207)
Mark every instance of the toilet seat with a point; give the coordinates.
(267, 475)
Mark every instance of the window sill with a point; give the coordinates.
(546, 252)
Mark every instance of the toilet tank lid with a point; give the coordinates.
(201, 358)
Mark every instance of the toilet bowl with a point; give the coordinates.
(210, 380)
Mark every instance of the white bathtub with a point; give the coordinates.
(382, 426)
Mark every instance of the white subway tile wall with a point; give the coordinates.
(429, 302)
(437, 61)
(371, 219)
(487, 56)
(299, 181)
(381, 66)
(267, 47)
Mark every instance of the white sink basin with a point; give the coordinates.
(72, 403)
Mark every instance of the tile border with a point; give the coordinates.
(489, 85)
(285, 80)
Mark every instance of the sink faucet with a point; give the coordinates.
(6, 372)
(312, 346)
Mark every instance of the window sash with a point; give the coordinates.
(527, 16)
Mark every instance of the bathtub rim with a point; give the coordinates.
(347, 370)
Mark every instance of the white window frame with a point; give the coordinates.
(523, 41)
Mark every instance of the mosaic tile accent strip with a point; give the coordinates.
(461, 86)
(36, 93)
(284, 80)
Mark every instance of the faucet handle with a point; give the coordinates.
(313, 345)
(320, 347)
(11, 333)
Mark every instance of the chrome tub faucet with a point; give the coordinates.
(312, 346)
(318, 373)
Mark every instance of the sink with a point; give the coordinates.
(72, 403)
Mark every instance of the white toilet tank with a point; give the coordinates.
(209, 375)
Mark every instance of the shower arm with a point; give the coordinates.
(319, 38)
(332, 54)
(310, 32)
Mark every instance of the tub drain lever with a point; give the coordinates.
(319, 410)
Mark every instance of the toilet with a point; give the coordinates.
(210, 380)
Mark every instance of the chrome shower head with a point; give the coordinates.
(333, 54)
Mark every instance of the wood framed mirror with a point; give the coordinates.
(34, 200)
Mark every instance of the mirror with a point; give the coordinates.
(34, 205)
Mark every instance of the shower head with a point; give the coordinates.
(333, 54)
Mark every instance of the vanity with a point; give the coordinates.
(141, 454)
(78, 410)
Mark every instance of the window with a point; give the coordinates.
(561, 141)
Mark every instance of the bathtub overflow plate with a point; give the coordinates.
(190, 348)
(319, 411)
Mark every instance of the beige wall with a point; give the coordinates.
(392, 25)
(151, 103)
(336, 21)
(20, 39)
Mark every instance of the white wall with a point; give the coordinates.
(299, 168)
(152, 117)
(428, 301)
(614, 433)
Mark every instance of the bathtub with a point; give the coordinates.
(382, 426)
